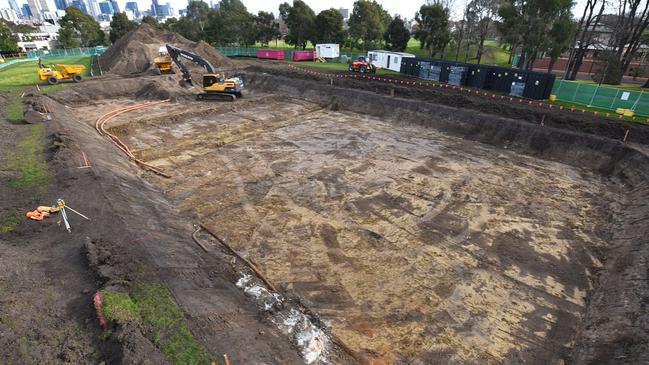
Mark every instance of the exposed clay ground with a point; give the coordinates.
(413, 241)
(411, 244)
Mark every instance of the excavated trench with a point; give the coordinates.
(420, 234)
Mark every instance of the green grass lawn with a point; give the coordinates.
(9, 220)
(24, 74)
(153, 307)
(493, 54)
(28, 159)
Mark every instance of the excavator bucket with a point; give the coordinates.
(186, 83)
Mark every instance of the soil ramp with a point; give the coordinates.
(134, 52)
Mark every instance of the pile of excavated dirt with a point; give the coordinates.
(134, 52)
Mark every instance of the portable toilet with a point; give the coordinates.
(327, 50)
(388, 59)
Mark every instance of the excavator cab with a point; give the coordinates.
(211, 79)
(215, 85)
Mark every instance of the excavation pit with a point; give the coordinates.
(411, 243)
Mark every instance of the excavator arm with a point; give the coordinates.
(215, 85)
(177, 53)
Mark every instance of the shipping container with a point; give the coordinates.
(444, 71)
(533, 85)
(434, 70)
(538, 85)
(272, 54)
(387, 59)
(457, 75)
(425, 66)
(528, 84)
(302, 56)
(477, 75)
(410, 66)
(517, 89)
(500, 79)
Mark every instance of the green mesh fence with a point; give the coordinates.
(602, 96)
(66, 52)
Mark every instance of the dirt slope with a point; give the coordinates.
(134, 53)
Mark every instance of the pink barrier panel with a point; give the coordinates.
(272, 54)
(302, 56)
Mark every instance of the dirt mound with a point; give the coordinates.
(134, 52)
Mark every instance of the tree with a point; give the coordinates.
(329, 27)
(560, 36)
(527, 23)
(192, 25)
(632, 21)
(68, 38)
(8, 40)
(214, 29)
(238, 23)
(485, 11)
(432, 28)
(300, 20)
(583, 36)
(397, 35)
(368, 22)
(267, 27)
(78, 29)
(119, 26)
(148, 19)
(22, 28)
(170, 24)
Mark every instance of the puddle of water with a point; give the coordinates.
(310, 339)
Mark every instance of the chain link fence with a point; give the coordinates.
(604, 97)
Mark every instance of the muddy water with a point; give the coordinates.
(409, 243)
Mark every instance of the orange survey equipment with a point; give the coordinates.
(36, 215)
(41, 212)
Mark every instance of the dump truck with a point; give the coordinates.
(56, 73)
(163, 62)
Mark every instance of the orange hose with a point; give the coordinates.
(100, 124)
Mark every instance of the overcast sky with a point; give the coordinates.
(405, 8)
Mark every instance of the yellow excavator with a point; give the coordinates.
(215, 85)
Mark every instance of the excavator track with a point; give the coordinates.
(216, 97)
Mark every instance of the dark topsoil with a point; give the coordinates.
(137, 235)
(575, 121)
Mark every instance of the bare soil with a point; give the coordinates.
(45, 284)
(411, 244)
(415, 231)
(134, 53)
